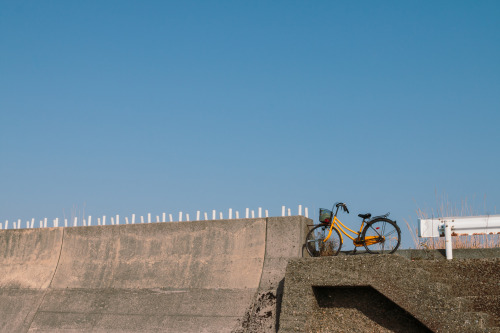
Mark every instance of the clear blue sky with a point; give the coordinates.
(151, 106)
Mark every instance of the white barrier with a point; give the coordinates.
(458, 226)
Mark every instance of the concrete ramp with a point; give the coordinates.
(170, 277)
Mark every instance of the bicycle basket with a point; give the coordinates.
(325, 215)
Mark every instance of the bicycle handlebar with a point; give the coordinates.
(343, 205)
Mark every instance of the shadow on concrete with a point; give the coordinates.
(361, 307)
(279, 299)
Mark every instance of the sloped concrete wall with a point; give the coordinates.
(203, 255)
(173, 277)
(28, 259)
(285, 239)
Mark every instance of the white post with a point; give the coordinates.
(170, 217)
(133, 218)
(126, 220)
(164, 217)
(230, 214)
(300, 210)
(180, 216)
(237, 214)
(32, 223)
(206, 216)
(197, 215)
(90, 220)
(142, 219)
(267, 213)
(66, 223)
(117, 219)
(247, 211)
(187, 217)
(98, 221)
(44, 222)
(1, 226)
(282, 210)
(27, 224)
(149, 217)
(104, 220)
(41, 224)
(260, 211)
(6, 224)
(56, 221)
(75, 222)
(84, 222)
(253, 214)
(213, 214)
(306, 212)
(157, 218)
(112, 220)
(220, 216)
(14, 225)
(447, 237)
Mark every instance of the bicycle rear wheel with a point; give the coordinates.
(381, 236)
(317, 247)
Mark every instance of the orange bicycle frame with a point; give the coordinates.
(337, 224)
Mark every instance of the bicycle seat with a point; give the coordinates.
(365, 216)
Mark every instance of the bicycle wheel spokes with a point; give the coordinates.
(317, 247)
(382, 236)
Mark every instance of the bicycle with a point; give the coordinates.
(379, 235)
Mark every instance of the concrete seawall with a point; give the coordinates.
(173, 277)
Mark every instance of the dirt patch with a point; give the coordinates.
(261, 316)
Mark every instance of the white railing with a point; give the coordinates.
(115, 219)
(458, 226)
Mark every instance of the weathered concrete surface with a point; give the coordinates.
(202, 255)
(430, 291)
(285, 239)
(172, 277)
(28, 259)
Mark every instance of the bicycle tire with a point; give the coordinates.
(315, 245)
(381, 227)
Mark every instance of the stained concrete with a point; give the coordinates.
(170, 277)
(430, 291)
(285, 238)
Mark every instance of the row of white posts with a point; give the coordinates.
(115, 220)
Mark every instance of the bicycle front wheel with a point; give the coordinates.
(317, 247)
(381, 236)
